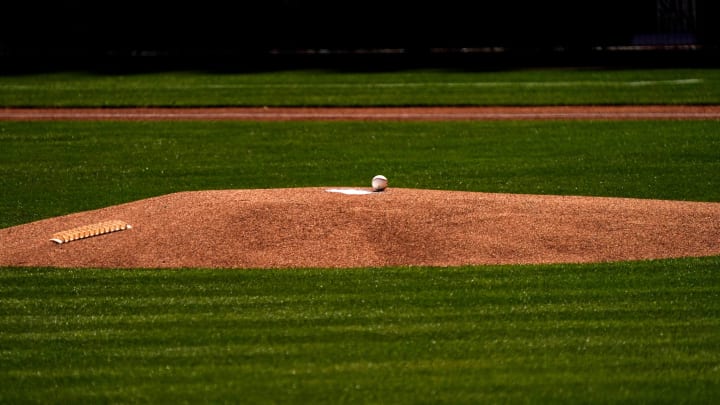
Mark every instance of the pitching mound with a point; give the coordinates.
(311, 227)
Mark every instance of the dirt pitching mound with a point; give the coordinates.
(311, 227)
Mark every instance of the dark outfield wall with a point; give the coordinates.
(260, 27)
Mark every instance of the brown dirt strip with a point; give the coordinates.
(678, 112)
(310, 227)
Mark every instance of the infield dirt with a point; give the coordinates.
(655, 112)
(310, 227)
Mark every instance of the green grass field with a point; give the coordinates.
(636, 332)
(335, 88)
(606, 333)
(48, 169)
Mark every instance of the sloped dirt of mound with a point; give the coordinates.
(310, 227)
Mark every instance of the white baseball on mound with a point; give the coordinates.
(379, 183)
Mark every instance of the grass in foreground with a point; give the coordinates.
(643, 332)
(49, 169)
(343, 88)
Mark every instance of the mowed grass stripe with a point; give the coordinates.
(360, 85)
(644, 331)
(345, 88)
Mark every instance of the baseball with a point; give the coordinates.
(379, 183)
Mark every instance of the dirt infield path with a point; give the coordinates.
(366, 113)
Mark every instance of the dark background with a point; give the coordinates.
(371, 32)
